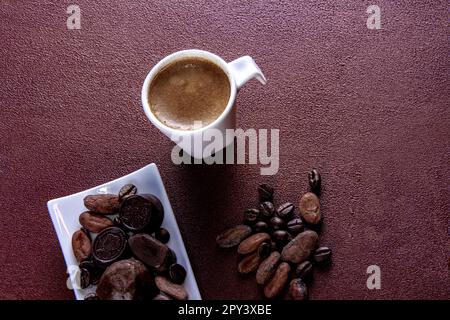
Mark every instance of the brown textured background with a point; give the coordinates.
(370, 108)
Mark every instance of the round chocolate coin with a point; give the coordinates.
(141, 213)
(109, 246)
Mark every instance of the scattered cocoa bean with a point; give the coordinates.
(252, 243)
(267, 268)
(249, 263)
(309, 207)
(278, 281)
(300, 248)
(298, 290)
(232, 237)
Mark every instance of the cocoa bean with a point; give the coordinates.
(249, 263)
(94, 222)
(252, 243)
(81, 245)
(298, 290)
(278, 281)
(102, 203)
(174, 290)
(300, 248)
(309, 207)
(232, 237)
(267, 268)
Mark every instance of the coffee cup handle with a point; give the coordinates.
(244, 69)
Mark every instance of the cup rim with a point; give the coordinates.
(172, 57)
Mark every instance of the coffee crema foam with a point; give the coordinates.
(189, 90)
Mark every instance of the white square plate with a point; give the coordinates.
(65, 211)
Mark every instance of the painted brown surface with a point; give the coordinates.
(369, 108)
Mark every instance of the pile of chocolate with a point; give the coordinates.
(279, 244)
(128, 258)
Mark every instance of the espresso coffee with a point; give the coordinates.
(189, 90)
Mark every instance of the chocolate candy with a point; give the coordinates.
(126, 280)
(109, 246)
(141, 213)
(152, 252)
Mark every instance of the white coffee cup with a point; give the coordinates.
(238, 72)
